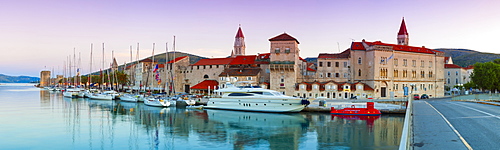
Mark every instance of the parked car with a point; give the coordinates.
(424, 96)
(416, 97)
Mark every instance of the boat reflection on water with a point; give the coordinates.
(369, 119)
(252, 129)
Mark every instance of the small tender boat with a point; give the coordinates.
(130, 97)
(156, 102)
(368, 111)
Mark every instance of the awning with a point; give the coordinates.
(205, 84)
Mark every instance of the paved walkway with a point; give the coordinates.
(431, 131)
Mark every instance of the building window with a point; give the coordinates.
(282, 80)
(328, 75)
(395, 62)
(383, 60)
(315, 86)
(345, 64)
(414, 74)
(405, 62)
(336, 64)
(456, 81)
(422, 74)
(287, 50)
(448, 80)
(414, 63)
(277, 50)
(249, 78)
(302, 86)
(337, 75)
(327, 87)
(456, 73)
(422, 63)
(396, 73)
(430, 74)
(320, 64)
(320, 75)
(396, 87)
(210, 66)
(359, 60)
(430, 64)
(359, 72)
(448, 73)
(345, 75)
(205, 76)
(222, 78)
(405, 73)
(329, 64)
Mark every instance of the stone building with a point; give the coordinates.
(45, 78)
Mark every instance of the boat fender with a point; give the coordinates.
(352, 106)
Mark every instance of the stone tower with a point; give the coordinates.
(239, 44)
(45, 78)
(403, 37)
(284, 63)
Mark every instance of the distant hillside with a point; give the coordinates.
(192, 58)
(17, 79)
(465, 57)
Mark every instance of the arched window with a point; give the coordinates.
(205, 77)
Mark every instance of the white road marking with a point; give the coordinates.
(452, 127)
(480, 111)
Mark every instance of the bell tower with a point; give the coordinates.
(403, 37)
(239, 44)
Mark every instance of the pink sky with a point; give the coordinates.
(40, 35)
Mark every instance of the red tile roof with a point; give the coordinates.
(243, 60)
(204, 85)
(213, 61)
(264, 56)
(239, 33)
(146, 60)
(284, 37)
(344, 54)
(402, 29)
(451, 66)
(360, 46)
(176, 59)
(469, 67)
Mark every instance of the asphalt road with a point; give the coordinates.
(473, 125)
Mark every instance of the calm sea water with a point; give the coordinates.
(31, 118)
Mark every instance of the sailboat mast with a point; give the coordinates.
(137, 60)
(173, 69)
(166, 67)
(152, 65)
(102, 76)
(90, 75)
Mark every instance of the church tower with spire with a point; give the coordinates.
(403, 37)
(239, 44)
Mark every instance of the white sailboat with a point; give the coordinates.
(157, 102)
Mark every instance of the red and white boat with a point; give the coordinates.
(368, 111)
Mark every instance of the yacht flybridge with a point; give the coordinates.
(255, 98)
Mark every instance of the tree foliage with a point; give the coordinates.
(487, 75)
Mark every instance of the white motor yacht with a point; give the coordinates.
(130, 97)
(255, 98)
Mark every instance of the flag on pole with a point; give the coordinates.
(156, 68)
(390, 57)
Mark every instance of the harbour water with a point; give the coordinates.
(33, 118)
